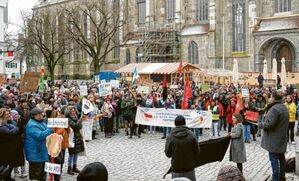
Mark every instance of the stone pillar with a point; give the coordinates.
(212, 14)
(177, 11)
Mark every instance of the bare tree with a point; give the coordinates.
(45, 37)
(94, 25)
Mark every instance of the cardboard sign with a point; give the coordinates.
(58, 122)
(83, 90)
(204, 87)
(245, 93)
(29, 82)
(114, 83)
(174, 86)
(105, 89)
(143, 89)
(52, 168)
(53, 143)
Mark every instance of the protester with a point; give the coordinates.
(76, 124)
(291, 106)
(93, 172)
(260, 107)
(126, 106)
(182, 147)
(107, 111)
(36, 132)
(275, 139)
(214, 109)
(237, 148)
(260, 80)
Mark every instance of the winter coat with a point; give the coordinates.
(181, 146)
(11, 152)
(230, 111)
(35, 148)
(275, 127)
(292, 111)
(260, 106)
(76, 125)
(237, 146)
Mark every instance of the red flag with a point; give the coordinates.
(239, 105)
(187, 94)
(180, 69)
(251, 116)
(164, 81)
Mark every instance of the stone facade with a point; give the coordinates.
(214, 37)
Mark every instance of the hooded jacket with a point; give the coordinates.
(181, 146)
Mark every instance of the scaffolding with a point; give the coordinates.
(160, 44)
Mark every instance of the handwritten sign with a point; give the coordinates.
(114, 83)
(204, 87)
(105, 89)
(96, 78)
(245, 93)
(52, 168)
(174, 86)
(29, 82)
(143, 89)
(58, 122)
(87, 129)
(83, 90)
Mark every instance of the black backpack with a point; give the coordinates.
(290, 162)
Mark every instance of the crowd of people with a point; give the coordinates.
(23, 118)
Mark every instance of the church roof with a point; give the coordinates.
(277, 23)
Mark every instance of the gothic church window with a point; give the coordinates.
(202, 10)
(170, 9)
(283, 5)
(239, 26)
(141, 5)
(193, 53)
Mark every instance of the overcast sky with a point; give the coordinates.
(14, 8)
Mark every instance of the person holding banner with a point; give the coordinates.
(76, 124)
(36, 132)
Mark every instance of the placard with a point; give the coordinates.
(245, 93)
(204, 87)
(87, 129)
(114, 83)
(143, 89)
(174, 87)
(52, 168)
(58, 123)
(105, 89)
(96, 78)
(83, 90)
(103, 81)
(269, 83)
(29, 82)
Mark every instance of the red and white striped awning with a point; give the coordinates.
(130, 67)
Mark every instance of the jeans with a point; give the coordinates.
(215, 128)
(278, 164)
(190, 175)
(291, 131)
(152, 129)
(73, 158)
(196, 133)
(246, 132)
(166, 131)
(223, 123)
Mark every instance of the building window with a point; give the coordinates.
(193, 53)
(141, 5)
(11, 65)
(170, 9)
(239, 25)
(128, 56)
(202, 10)
(85, 24)
(138, 55)
(283, 5)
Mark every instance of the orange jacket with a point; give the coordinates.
(65, 134)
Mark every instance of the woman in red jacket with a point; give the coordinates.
(231, 109)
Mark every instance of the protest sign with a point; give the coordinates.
(105, 89)
(29, 82)
(143, 89)
(97, 78)
(114, 83)
(269, 83)
(204, 87)
(57, 122)
(87, 129)
(83, 90)
(103, 81)
(174, 86)
(53, 143)
(52, 168)
(245, 93)
(87, 106)
(165, 117)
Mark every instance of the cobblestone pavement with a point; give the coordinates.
(143, 159)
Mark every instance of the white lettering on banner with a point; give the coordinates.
(114, 83)
(58, 122)
(52, 168)
(245, 93)
(105, 89)
(165, 117)
(83, 90)
(87, 129)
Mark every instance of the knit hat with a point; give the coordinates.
(180, 121)
(36, 111)
(229, 172)
(93, 172)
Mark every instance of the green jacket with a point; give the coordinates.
(126, 107)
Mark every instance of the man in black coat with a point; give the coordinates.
(275, 138)
(260, 80)
(181, 146)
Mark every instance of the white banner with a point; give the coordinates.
(245, 93)
(174, 87)
(143, 89)
(114, 83)
(52, 168)
(105, 89)
(165, 117)
(83, 90)
(87, 129)
(58, 122)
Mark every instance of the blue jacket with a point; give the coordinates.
(35, 141)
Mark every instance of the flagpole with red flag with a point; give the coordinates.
(164, 93)
(187, 93)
